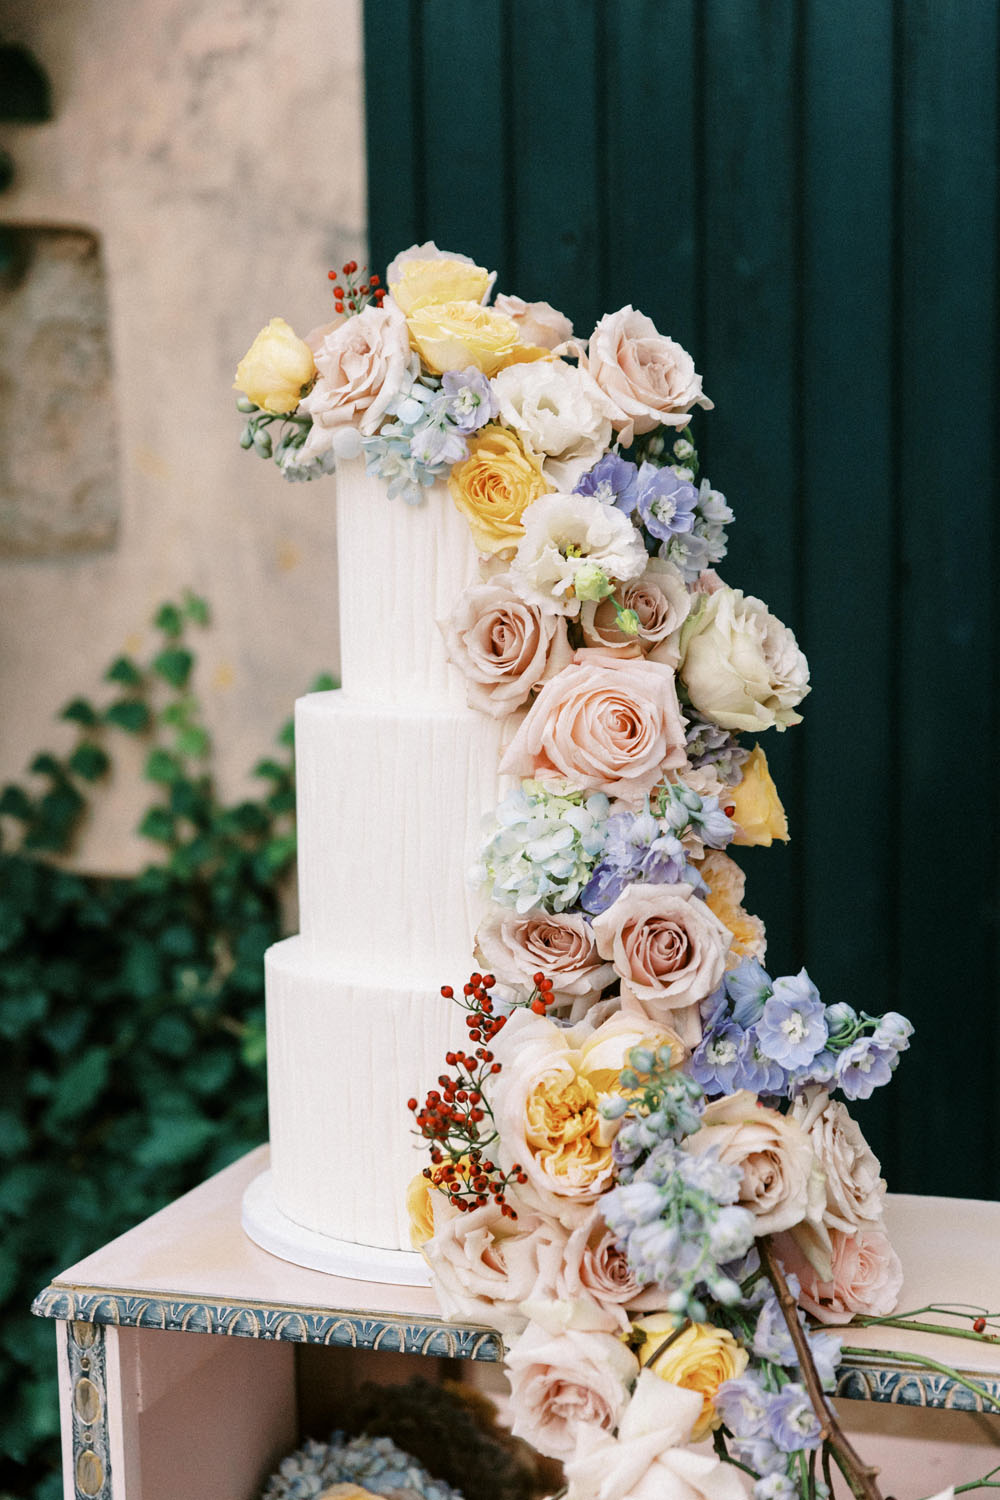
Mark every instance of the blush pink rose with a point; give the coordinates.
(361, 364)
(666, 945)
(484, 1264)
(867, 1276)
(782, 1184)
(603, 724)
(649, 379)
(503, 646)
(515, 946)
(855, 1188)
(558, 1380)
(662, 603)
(537, 322)
(589, 1273)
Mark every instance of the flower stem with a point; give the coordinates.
(920, 1327)
(860, 1476)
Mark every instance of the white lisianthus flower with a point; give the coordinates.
(742, 667)
(559, 413)
(562, 535)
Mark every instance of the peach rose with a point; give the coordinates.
(699, 1359)
(494, 486)
(782, 1182)
(661, 602)
(515, 946)
(855, 1189)
(484, 1263)
(650, 380)
(726, 883)
(603, 725)
(560, 1379)
(756, 805)
(503, 646)
(648, 1458)
(590, 1275)
(361, 364)
(867, 1276)
(537, 322)
(669, 949)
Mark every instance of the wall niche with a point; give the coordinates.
(59, 477)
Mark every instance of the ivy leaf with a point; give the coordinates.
(174, 1139)
(15, 803)
(324, 683)
(47, 765)
(169, 619)
(78, 1086)
(158, 824)
(161, 766)
(286, 734)
(194, 741)
(174, 666)
(89, 761)
(79, 711)
(196, 609)
(124, 670)
(130, 714)
(20, 1013)
(271, 769)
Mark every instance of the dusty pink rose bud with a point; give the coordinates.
(867, 1276)
(503, 647)
(669, 949)
(603, 725)
(649, 379)
(514, 947)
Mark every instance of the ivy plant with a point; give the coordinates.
(131, 1010)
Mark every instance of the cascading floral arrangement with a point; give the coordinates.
(639, 1172)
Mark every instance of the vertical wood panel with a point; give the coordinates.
(750, 363)
(394, 128)
(848, 533)
(947, 735)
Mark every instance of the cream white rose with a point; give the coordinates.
(742, 667)
(514, 946)
(669, 950)
(648, 1458)
(559, 1380)
(538, 322)
(660, 600)
(361, 364)
(650, 379)
(559, 414)
(562, 533)
(782, 1181)
(855, 1189)
(485, 1263)
(503, 646)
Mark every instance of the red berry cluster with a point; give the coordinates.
(353, 291)
(457, 1117)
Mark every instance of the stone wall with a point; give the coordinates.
(212, 152)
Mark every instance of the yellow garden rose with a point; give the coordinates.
(493, 487)
(726, 883)
(454, 335)
(345, 1491)
(420, 1206)
(432, 282)
(275, 368)
(756, 805)
(565, 1130)
(699, 1359)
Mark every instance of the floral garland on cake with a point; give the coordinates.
(639, 1163)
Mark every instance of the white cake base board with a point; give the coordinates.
(273, 1231)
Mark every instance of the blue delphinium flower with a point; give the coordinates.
(613, 481)
(863, 1067)
(665, 502)
(748, 986)
(716, 1062)
(466, 399)
(792, 1422)
(792, 1027)
(636, 848)
(705, 544)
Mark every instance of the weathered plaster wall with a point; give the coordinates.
(216, 148)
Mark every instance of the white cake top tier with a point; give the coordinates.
(401, 567)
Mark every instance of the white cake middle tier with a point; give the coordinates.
(391, 805)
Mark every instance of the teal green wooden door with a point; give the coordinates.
(805, 196)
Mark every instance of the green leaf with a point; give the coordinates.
(271, 769)
(174, 666)
(194, 741)
(161, 766)
(89, 761)
(124, 670)
(14, 1135)
(174, 1139)
(130, 714)
(15, 803)
(79, 711)
(286, 734)
(172, 1035)
(46, 764)
(169, 619)
(324, 683)
(78, 1086)
(158, 825)
(19, 1014)
(196, 609)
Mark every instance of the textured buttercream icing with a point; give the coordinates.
(395, 774)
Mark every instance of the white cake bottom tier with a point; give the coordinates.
(343, 1057)
(390, 811)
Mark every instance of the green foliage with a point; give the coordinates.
(131, 1010)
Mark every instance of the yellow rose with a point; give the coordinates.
(420, 1207)
(699, 1359)
(756, 805)
(454, 335)
(431, 282)
(726, 883)
(345, 1491)
(565, 1130)
(275, 368)
(493, 487)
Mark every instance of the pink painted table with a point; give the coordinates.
(191, 1360)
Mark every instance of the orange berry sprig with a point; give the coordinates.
(354, 291)
(456, 1117)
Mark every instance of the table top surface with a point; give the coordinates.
(191, 1267)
